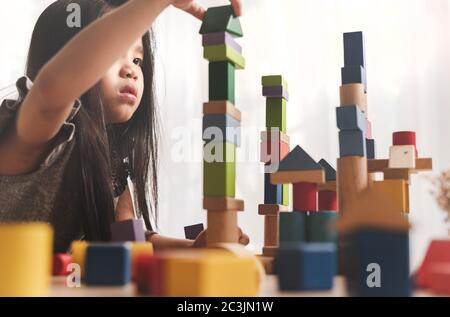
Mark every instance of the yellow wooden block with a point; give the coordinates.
(395, 189)
(137, 249)
(26, 259)
(210, 273)
(78, 251)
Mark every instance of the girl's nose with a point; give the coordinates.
(128, 72)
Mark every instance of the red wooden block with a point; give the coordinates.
(149, 274)
(440, 279)
(438, 253)
(60, 263)
(266, 150)
(405, 138)
(327, 200)
(305, 196)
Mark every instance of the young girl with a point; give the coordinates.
(85, 122)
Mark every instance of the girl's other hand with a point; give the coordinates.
(193, 8)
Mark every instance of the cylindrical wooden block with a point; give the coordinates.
(60, 263)
(304, 196)
(26, 259)
(405, 138)
(353, 94)
(352, 179)
(78, 251)
(327, 200)
(222, 227)
(271, 234)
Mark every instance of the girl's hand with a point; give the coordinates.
(191, 7)
(200, 242)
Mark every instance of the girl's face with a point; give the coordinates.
(122, 86)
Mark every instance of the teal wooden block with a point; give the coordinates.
(222, 81)
(320, 226)
(292, 226)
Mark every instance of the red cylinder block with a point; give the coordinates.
(149, 274)
(60, 263)
(327, 200)
(305, 197)
(405, 138)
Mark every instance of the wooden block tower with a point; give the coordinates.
(274, 147)
(221, 124)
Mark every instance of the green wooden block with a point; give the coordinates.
(320, 226)
(276, 113)
(223, 52)
(221, 19)
(274, 80)
(292, 226)
(219, 169)
(221, 81)
(285, 194)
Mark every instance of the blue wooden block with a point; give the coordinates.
(370, 145)
(389, 250)
(320, 226)
(306, 266)
(220, 128)
(354, 75)
(298, 160)
(330, 172)
(354, 54)
(272, 193)
(108, 264)
(292, 226)
(350, 118)
(352, 143)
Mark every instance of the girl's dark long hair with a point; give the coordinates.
(91, 167)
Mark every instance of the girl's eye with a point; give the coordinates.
(138, 61)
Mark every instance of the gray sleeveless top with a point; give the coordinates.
(33, 196)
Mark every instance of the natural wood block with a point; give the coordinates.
(271, 233)
(223, 52)
(398, 173)
(352, 180)
(328, 185)
(402, 156)
(222, 204)
(222, 227)
(396, 190)
(271, 209)
(268, 264)
(290, 177)
(422, 164)
(270, 251)
(221, 107)
(353, 94)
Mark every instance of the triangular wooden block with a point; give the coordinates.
(330, 172)
(298, 160)
(221, 19)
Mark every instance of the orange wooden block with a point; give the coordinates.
(396, 190)
(222, 204)
(271, 209)
(271, 232)
(352, 180)
(221, 107)
(291, 177)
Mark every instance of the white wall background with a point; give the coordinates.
(408, 65)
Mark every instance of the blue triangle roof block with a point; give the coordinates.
(330, 172)
(298, 160)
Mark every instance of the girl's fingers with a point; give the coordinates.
(236, 4)
(196, 10)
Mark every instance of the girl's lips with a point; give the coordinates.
(127, 97)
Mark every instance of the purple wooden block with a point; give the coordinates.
(128, 230)
(275, 92)
(221, 38)
(192, 232)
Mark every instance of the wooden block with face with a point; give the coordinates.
(402, 156)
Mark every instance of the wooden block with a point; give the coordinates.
(354, 49)
(351, 180)
(352, 143)
(221, 128)
(222, 81)
(272, 193)
(219, 179)
(219, 152)
(292, 227)
(78, 251)
(330, 172)
(270, 251)
(438, 252)
(222, 107)
(25, 267)
(388, 249)
(276, 114)
(304, 196)
(398, 173)
(402, 156)
(271, 233)
(274, 80)
(329, 185)
(219, 38)
(271, 209)
(138, 249)
(370, 148)
(299, 160)
(268, 264)
(354, 75)
(223, 52)
(285, 194)
(404, 138)
(327, 200)
(211, 273)
(222, 203)
(222, 227)
(440, 279)
(275, 92)
(146, 279)
(306, 266)
(61, 262)
(221, 19)
(368, 134)
(191, 232)
(274, 134)
(290, 177)
(128, 230)
(422, 164)
(320, 226)
(108, 264)
(350, 118)
(353, 94)
(273, 149)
